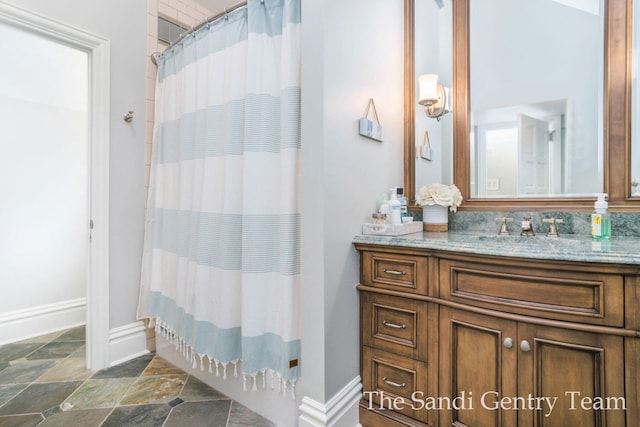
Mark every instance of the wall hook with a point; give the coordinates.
(128, 117)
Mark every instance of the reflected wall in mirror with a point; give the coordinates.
(536, 97)
(433, 55)
(635, 108)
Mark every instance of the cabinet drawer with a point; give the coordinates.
(394, 271)
(575, 296)
(390, 381)
(397, 325)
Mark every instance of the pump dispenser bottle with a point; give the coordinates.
(394, 207)
(600, 219)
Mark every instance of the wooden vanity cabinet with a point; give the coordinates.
(516, 342)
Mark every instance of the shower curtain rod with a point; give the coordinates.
(227, 10)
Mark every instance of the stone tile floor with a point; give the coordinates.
(44, 382)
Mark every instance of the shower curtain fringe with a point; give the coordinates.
(190, 355)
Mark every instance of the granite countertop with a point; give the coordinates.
(569, 247)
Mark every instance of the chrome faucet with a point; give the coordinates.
(527, 227)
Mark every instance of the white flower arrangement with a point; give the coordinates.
(439, 194)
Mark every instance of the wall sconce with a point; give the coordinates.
(435, 98)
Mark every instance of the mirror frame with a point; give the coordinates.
(617, 116)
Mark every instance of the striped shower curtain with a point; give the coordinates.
(220, 273)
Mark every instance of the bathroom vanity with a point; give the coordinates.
(472, 330)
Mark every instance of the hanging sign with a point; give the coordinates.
(425, 149)
(368, 128)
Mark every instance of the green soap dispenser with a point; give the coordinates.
(600, 219)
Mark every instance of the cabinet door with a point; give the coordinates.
(581, 373)
(477, 364)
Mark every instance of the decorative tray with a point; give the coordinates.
(391, 229)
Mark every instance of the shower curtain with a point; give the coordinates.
(220, 273)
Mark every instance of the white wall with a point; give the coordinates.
(124, 23)
(433, 54)
(526, 52)
(352, 51)
(43, 179)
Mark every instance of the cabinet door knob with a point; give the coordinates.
(507, 343)
(525, 346)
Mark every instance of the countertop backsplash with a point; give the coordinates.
(623, 224)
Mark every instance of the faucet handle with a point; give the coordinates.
(504, 228)
(527, 227)
(553, 220)
(553, 229)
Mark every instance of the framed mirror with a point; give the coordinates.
(582, 154)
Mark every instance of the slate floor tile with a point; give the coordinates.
(84, 418)
(29, 420)
(75, 334)
(102, 393)
(44, 382)
(39, 398)
(156, 389)
(55, 350)
(159, 366)
(9, 352)
(25, 372)
(42, 339)
(9, 391)
(212, 413)
(69, 369)
(195, 390)
(241, 416)
(138, 416)
(131, 368)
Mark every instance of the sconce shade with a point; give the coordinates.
(435, 98)
(428, 84)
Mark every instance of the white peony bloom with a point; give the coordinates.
(439, 194)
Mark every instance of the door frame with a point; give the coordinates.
(97, 48)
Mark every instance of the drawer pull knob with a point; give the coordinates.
(394, 383)
(393, 325)
(396, 272)
(525, 346)
(508, 343)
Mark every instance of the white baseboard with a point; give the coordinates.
(340, 411)
(127, 342)
(34, 321)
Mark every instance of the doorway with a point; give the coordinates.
(54, 110)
